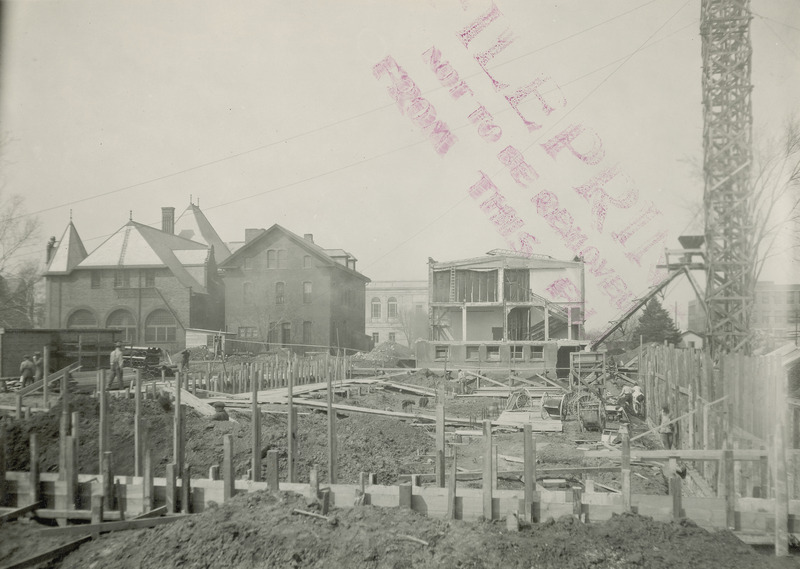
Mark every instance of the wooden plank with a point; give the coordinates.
(106, 527)
(36, 386)
(55, 553)
(488, 452)
(14, 514)
(228, 476)
(440, 446)
(685, 455)
(529, 452)
(155, 513)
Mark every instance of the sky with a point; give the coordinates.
(283, 112)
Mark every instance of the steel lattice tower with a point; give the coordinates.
(727, 145)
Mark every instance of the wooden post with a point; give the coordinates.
(171, 489)
(675, 491)
(75, 423)
(488, 455)
(2, 465)
(46, 376)
(440, 446)
(147, 482)
(626, 469)
(186, 490)
(97, 504)
(529, 458)
(137, 427)
(228, 484)
(333, 466)
(577, 503)
(451, 487)
(730, 490)
(65, 424)
(272, 471)
(102, 443)
(313, 483)
(290, 435)
(108, 480)
(35, 494)
(781, 494)
(255, 462)
(18, 401)
(177, 430)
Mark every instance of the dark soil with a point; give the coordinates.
(259, 530)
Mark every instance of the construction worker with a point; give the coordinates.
(116, 358)
(667, 428)
(27, 370)
(638, 400)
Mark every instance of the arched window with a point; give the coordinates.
(160, 326)
(391, 307)
(82, 319)
(376, 307)
(279, 293)
(124, 320)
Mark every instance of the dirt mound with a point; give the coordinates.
(387, 354)
(366, 443)
(259, 530)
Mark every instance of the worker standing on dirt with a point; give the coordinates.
(638, 400)
(116, 366)
(667, 429)
(39, 366)
(27, 370)
(183, 365)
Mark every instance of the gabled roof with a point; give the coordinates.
(509, 260)
(309, 246)
(68, 253)
(193, 224)
(136, 245)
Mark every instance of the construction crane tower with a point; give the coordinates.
(727, 197)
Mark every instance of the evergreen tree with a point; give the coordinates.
(656, 325)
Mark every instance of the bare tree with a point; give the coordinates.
(17, 229)
(413, 324)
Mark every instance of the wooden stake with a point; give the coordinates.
(2, 465)
(451, 487)
(71, 474)
(35, 492)
(405, 496)
(675, 492)
(108, 480)
(255, 462)
(730, 490)
(781, 494)
(46, 376)
(626, 470)
(272, 471)
(228, 477)
(147, 483)
(171, 489)
(137, 427)
(186, 490)
(333, 466)
(313, 483)
(291, 428)
(529, 456)
(440, 445)
(488, 452)
(177, 451)
(102, 443)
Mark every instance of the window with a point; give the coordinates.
(392, 336)
(281, 258)
(150, 278)
(160, 327)
(441, 352)
(122, 279)
(271, 262)
(306, 292)
(307, 332)
(473, 353)
(279, 291)
(286, 333)
(537, 352)
(249, 263)
(248, 332)
(376, 338)
(124, 320)
(516, 353)
(790, 297)
(307, 262)
(391, 307)
(764, 298)
(82, 319)
(247, 293)
(96, 279)
(376, 308)
(418, 308)
(778, 297)
(493, 353)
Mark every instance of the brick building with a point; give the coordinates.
(776, 312)
(149, 283)
(284, 290)
(397, 311)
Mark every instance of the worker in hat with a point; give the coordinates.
(221, 414)
(116, 360)
(38, 372)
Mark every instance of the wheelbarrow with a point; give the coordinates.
(591, 416)
(554, 407)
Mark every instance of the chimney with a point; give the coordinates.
(168, 219)
(50, 246)
(251, 233)
(309, 237)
